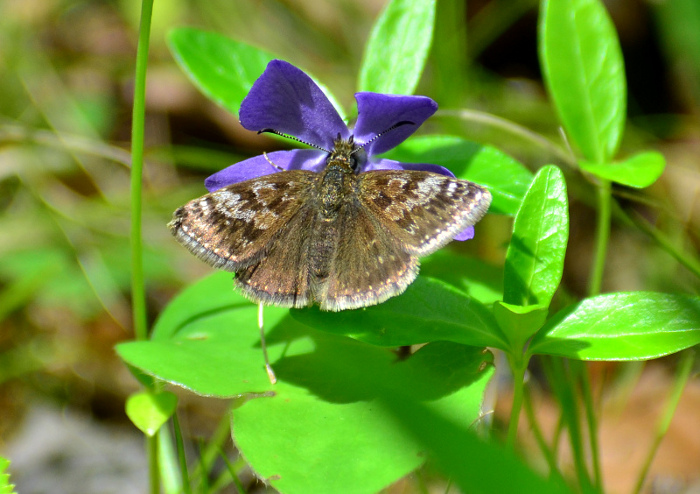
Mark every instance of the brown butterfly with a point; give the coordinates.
(337, 238)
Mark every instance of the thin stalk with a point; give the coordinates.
(232, 471)
(186, 488)
(138, 291)
(682, 375)
(211, 449)
(561, 383)
(153, 467)
(592, 424)
(514, 129)
(539, 437)
(518, 369)
(690, 262)
(602, 237)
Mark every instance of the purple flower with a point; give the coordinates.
(285, 100)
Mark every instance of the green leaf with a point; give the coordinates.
(223, 69)
(476, 466)
(506, 178)
(339, 422)
(519, 322)
(583, 69)
(328, 392)
(475, 277)
(398, 46)
(149, 411)
(641, 170)
(5, 486)
(622, 326)
(535, 257)
(429, 310)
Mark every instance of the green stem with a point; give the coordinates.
(153, 472)
(561, 380)
(186, 488)
(602, 237)
(514, 129)
(682, 375)
(587, 396)
(539, 437)
(138, 291)
(689, 261)
(517, 367)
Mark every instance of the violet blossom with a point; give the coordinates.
(286, 100)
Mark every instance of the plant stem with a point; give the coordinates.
(682, 375)
(138, 292)
(539, 437)
(513, 129)
(587, 396)
(153, 466)
(602, 237)
(186, 488)
(689, 261)
(517, 367)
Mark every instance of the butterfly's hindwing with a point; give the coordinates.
(281, 277)
(368, 265)
(423, 211)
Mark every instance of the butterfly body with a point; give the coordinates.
(337, 238)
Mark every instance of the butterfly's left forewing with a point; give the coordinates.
(423, 211)
(233, 227)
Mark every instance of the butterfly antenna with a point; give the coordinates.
(396, 125)
(277, 132)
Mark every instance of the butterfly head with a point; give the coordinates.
(347, 153)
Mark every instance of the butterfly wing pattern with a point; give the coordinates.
(341, 240)
(232, 227)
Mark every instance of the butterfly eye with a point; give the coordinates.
(358, 159)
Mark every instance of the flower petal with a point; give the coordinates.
(285, 99)
(297, 159)
(466, 234)
(377, 113)
(385, 164)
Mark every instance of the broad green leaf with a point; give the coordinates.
(398, 46)
(622, 326)
(641, 170)
(535, 257)
(339, 422)
(223, 69)
(475, 277)
(149, 411)
(475, 465)
(583, 69)
(506, 178)
(328, 392)
(429, 310)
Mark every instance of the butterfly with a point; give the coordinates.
(338, 238)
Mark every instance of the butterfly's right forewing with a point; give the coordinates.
(423, 211)
(232, 227)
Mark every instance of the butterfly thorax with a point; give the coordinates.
(337, 178)
(333, 188)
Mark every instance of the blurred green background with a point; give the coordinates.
(66, 81)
